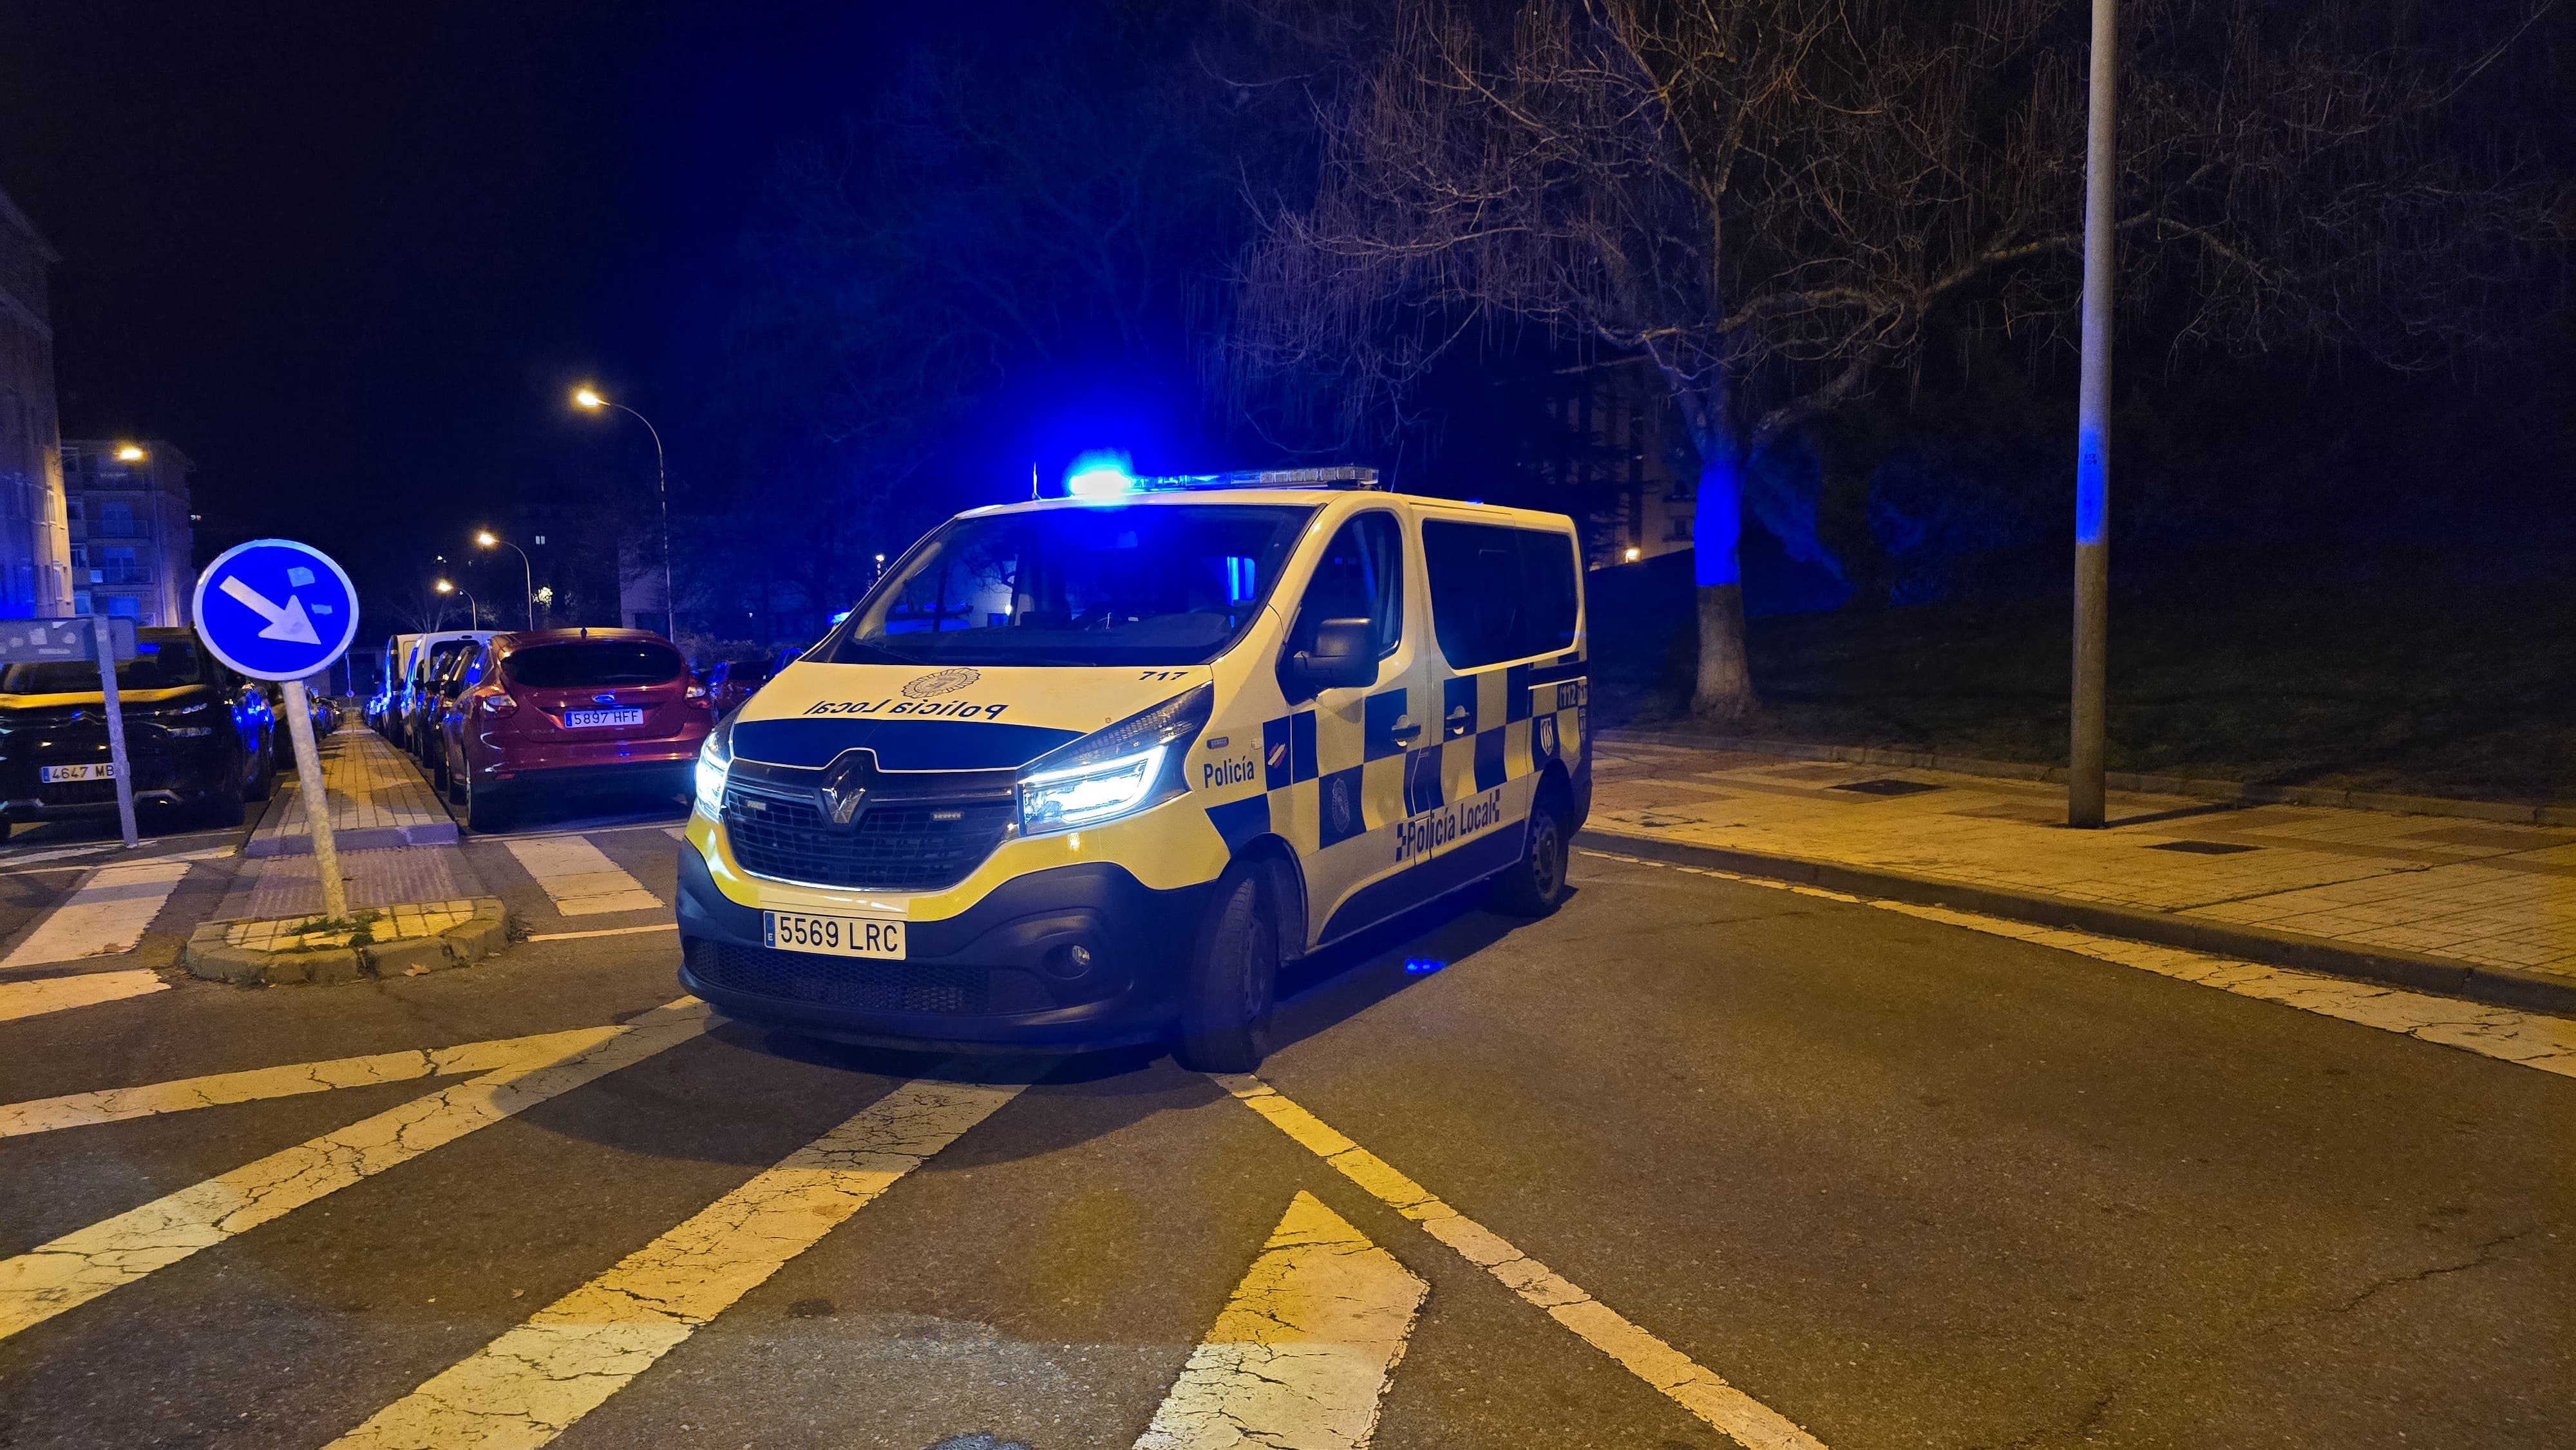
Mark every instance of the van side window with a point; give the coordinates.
(1360, 576)
(1499, 594)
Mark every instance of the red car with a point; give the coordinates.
(571, 711)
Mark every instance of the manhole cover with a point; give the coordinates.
(1886, 787)
(2203, 848)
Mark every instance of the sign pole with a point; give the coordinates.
(115, 729)
(317, 801)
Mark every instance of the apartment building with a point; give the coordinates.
(35, 543)
(133, 542)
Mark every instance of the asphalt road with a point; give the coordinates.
(1902, 1183)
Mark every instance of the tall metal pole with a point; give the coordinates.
(118, 763)
(662, 490)
(527, 575)
(317, 802)
(2086, 711)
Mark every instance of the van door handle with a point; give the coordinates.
(1403, 731)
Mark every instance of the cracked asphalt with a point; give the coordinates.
(1905, 1183)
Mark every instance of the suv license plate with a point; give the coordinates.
(580, 718)
(833, 936)
(52, 773)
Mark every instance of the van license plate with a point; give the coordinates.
(580, 718)
(51, 773)
(833, 936)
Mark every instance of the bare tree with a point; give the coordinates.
(1775, 201)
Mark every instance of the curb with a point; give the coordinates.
(2492, 986)
(364, 838)
(2217, 790)
(208, 955)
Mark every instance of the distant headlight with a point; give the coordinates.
(715, 758)
(1114, 771)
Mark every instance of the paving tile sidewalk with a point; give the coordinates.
(398, 846)
(2483, 909)
(377, 799)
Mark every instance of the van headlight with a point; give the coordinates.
(1114, 771)
(715, 758)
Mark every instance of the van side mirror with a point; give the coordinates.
(1343, 657)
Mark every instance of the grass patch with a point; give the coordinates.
(2422, 672)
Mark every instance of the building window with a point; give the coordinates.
(80, 556)
(124, 606)
(76, 510)
(118, 563)
(116, 516)
(80, 601)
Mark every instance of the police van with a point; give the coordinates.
(1086, 771)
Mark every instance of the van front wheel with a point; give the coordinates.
(1234, 975)
(1535, 884)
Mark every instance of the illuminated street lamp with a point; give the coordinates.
(486, 539)
(129, 453)
(473, 611)
(585, 397)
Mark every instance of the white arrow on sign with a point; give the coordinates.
(286, 623)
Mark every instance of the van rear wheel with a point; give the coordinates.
(1535, 884)
(1234, 979)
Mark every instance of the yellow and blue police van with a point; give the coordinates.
(1085, 771)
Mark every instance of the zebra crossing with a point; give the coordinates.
(1303, 1352)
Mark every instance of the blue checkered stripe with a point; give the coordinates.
(1329, 776)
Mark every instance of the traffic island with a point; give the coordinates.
(396, 941)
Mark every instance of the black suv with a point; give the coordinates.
(197, 735)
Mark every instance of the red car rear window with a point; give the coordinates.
(592, 663)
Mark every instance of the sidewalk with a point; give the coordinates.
(2476, 909)
(399, 857)
(377, 799)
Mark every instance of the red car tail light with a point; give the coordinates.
(499, 706)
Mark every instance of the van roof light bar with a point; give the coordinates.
(1336, 477)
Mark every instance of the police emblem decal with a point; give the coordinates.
(1341, 804)
(940, 682)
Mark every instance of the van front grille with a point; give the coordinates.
(863, 984)
(907, 847)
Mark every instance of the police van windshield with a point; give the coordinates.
(1143, 584)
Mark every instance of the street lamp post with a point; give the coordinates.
(473, 611)
(527, 571)
(590, 398)
(2087, 713)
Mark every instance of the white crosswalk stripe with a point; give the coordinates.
(579, 876)
(54, 994)
(528, 1386)
(86, 1263)
(1746, 1420)
(1301, 1354)
(106, 913)
(115, 1105)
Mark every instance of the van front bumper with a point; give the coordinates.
(992, 977)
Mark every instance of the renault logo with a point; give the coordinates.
(845, 792)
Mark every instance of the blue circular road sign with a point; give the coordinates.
(275, 609)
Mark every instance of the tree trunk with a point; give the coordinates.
(1724, 690)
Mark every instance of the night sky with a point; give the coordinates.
(352, 258)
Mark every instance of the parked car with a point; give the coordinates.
(321, 709)
(560, 712)
(463, 671)
(438, 662)
(197, 736)
(733, 681)
(406, 710)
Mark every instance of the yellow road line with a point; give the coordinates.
(55, 994)
(530, 1385)
(2528, 1039)
(113, 1105)
(88, 1262)
(1302, 1351)
(605, 931)
(1748, 1421)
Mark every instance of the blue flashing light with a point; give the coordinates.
(1421, 966)
(837, 618)
(1099, 474)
